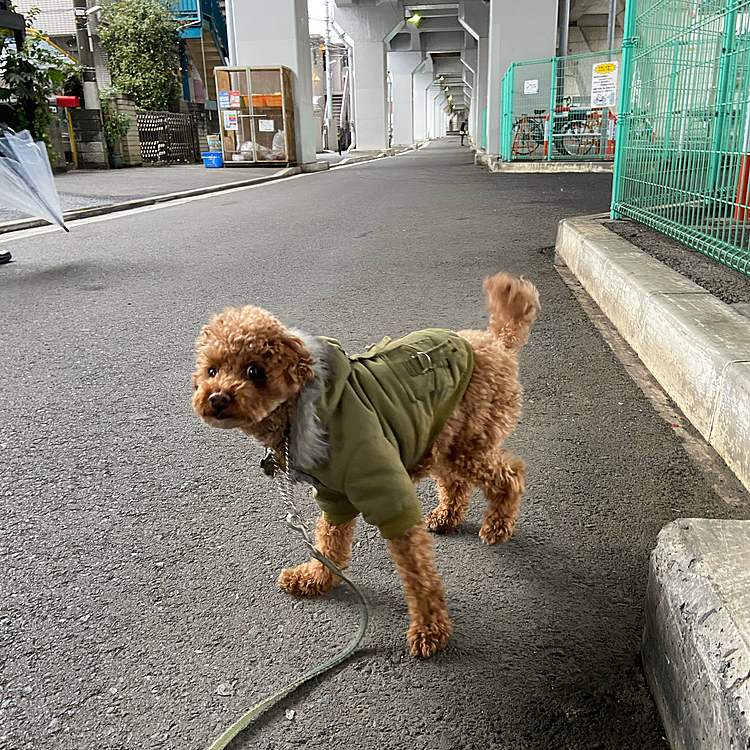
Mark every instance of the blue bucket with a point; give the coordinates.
(212, 159)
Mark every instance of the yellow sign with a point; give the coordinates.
(605, 67)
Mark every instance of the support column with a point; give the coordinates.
(518, 32)
(370, 28)
(480, 89)
(421, 82)
(475, 18)
(469, 58)
(277, 33)
(401, 66)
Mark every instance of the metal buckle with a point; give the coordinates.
(423, 354)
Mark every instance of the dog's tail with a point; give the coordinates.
(513, 304)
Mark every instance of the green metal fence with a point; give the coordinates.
(683, 156)
(561, 107)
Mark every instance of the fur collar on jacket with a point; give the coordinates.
(308, 442)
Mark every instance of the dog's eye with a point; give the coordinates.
(211, 372)
(254, 372)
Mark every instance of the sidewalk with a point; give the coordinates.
(87, 188)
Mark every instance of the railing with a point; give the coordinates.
(560, 108)
(195, 12)
(683, 158)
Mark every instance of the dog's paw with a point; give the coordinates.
(497, 531)
(441, 521)
(308, 579)
(425, 639)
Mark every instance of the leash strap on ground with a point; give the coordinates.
(259, 708)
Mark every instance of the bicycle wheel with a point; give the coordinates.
(537, 135)
(528, 137)
(580, 138)
(522, 142)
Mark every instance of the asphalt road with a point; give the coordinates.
(96, 187)
(139, 548)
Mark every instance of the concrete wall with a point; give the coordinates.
(518, 32)
(88, 131)
(131, 144)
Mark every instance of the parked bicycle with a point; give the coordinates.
(528, 134)
(576, 131)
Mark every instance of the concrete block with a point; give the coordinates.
(542, 166)
(730, 432)
(693, 343)
(696, 645)
(688, 342)
(314, 166)
(619, 277)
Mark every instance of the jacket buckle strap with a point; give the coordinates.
(418, 356)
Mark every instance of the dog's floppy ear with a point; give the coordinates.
(295, 359)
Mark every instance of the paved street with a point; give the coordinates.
(140, 548)
(102, 187)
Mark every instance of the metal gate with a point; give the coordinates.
(683, 158)
(168, 138)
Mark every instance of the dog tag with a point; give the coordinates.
(269, 465)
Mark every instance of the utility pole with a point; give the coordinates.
(330, 127)
(86, 56)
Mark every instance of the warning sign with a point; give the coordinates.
(604, 85)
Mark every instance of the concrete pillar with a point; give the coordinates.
(421, 82)
(401, 66)
(518, 32)
(370, 28)
(469, 60)
(475, 18)
(277, 33)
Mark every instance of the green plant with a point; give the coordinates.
(140, 37)
(31, 75)
(116, 125)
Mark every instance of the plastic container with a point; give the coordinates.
(212, 159)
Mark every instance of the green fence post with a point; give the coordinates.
(506, 99)
(722, 92)
(552, 102)
(623, 120)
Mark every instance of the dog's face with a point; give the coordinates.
(247, 365)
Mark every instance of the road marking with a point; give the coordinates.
(14, 236)
(724, 482)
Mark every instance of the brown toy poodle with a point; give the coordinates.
(363, 428)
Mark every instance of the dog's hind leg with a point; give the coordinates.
(414, 559)
(454, 495)
(502, 481)
(313, 578)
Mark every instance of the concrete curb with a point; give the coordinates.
(378, 155)
(85, 213)
(696, 643)
(495, 164)
(696, 346)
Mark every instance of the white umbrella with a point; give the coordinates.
(26, 181)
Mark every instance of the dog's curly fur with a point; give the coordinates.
(468, 453)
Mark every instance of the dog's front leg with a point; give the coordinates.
(414, 559)
(313, 578)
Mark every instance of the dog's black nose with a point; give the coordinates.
(219, 401)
